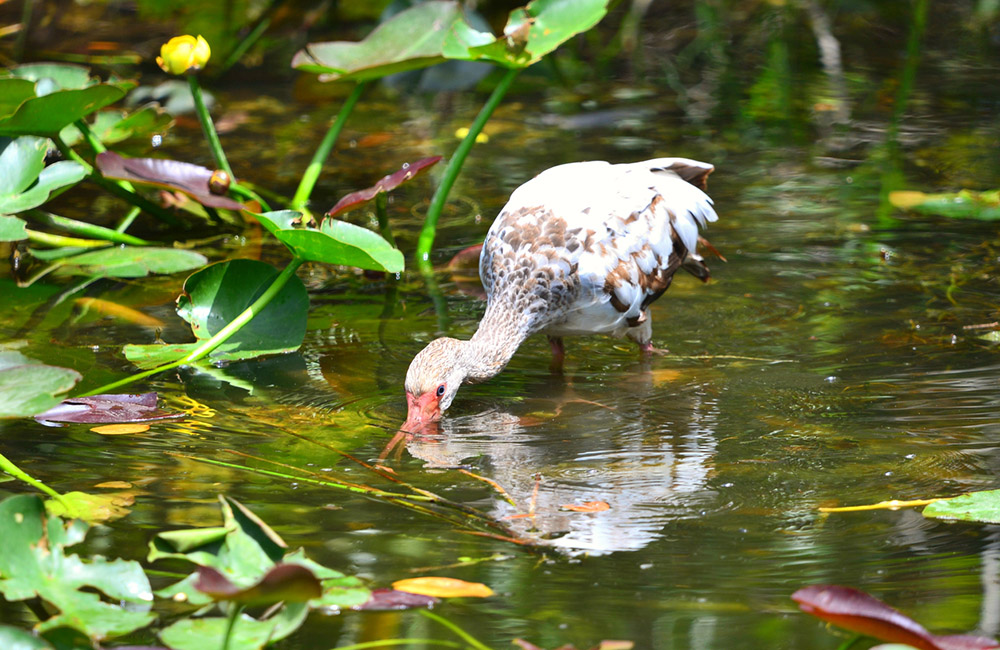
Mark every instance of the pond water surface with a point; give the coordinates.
(828, 362)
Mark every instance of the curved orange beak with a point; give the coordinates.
(421, 410)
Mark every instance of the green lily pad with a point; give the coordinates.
(111, 126)
(33, 563)
(64, 75)
(92, 508)
(248, 633)
(12, 229)
(334, 242)
(531, 32)
(409, 40)
(133, 261)
(13, 93)
(28, 387)
(12, 638)
(983, 507)
(25, 181)
(47, 115)
(964, 204)
(216, 295)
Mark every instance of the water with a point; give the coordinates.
(829, 362)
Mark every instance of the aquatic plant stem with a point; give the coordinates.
(382, 214)
(59, 241)
(85, 229)
(220, 337)
(208, 126)
(312, 172)
(451, 172)
(18, 473)
(459, 632)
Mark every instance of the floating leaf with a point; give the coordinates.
(965, 204)
(12, 229)
(391, 599)
(47, 115)
(25, 181)
(92, 508)
(587, 506)
(28, 387)
(409, 40)
(111, 126)
(291, 583)
(120, 429)
(133, 261)
(12, 638)
(334, 242)
(387, 183)
(982, 506)
(107, 409)
(442, 587)
(859, 612)
(248, 632)
(188, 178)
(33, 563)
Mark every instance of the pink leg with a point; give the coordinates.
(558, 353)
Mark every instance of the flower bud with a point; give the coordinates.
(183, 54)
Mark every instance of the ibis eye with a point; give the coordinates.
(440, 390)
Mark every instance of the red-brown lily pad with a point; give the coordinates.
(282, 583)
(107, 409)
(387, 183)
(188, 178)
(857, 611)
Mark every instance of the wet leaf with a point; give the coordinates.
(92, 508)
(859, 612)
(442, 587)
(28, 387)
(210, 632)
(387, 183)
(334, 242)
(391, 599)
(531, 32)
(587, 506)
(33, 563)
(99, 409)
(192, 180)
(216, 295)
(25, 181)
(120, 429)
(983, 507)
(291, 583)
(409, 40)
(133, 261)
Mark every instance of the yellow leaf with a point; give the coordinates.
(114, 484)
(442, 587)
(120, 429)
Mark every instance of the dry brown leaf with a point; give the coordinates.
(442, 587)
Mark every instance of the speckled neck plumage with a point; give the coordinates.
(500, 333)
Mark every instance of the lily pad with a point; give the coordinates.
(248, 633)
(188, 178)
(133, 261)
(291, 583)
(28, 387)
(983, 507)
(48, 114)
(111, 126)
(63, 75)
(409, 40)
(33, 563)
(964, 204)
(216, 295)
(92, 508)
(12, 229)
(334, 242)
(531, 32)
(387, 183)
(13, 638)
(25, 181)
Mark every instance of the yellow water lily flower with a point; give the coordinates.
(183, 54)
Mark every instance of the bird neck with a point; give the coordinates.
(499, 335)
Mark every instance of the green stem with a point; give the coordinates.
(426, 240)
(208, 126)
(86, 229)
(462, 634)
(18, 473)
(220, 337)
(129, 218)
(61, 241)
(310, 176)
(263, 22)
(382, 213)
(242, 190)
(234, 614)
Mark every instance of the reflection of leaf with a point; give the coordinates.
(190, 179)
(857, 611)
(28, 387)
(92, 508)
(33, 563)
(442, 587)
(99, 409)
(387, 183)
(587, 506)
(385, 599)
(120, 429)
